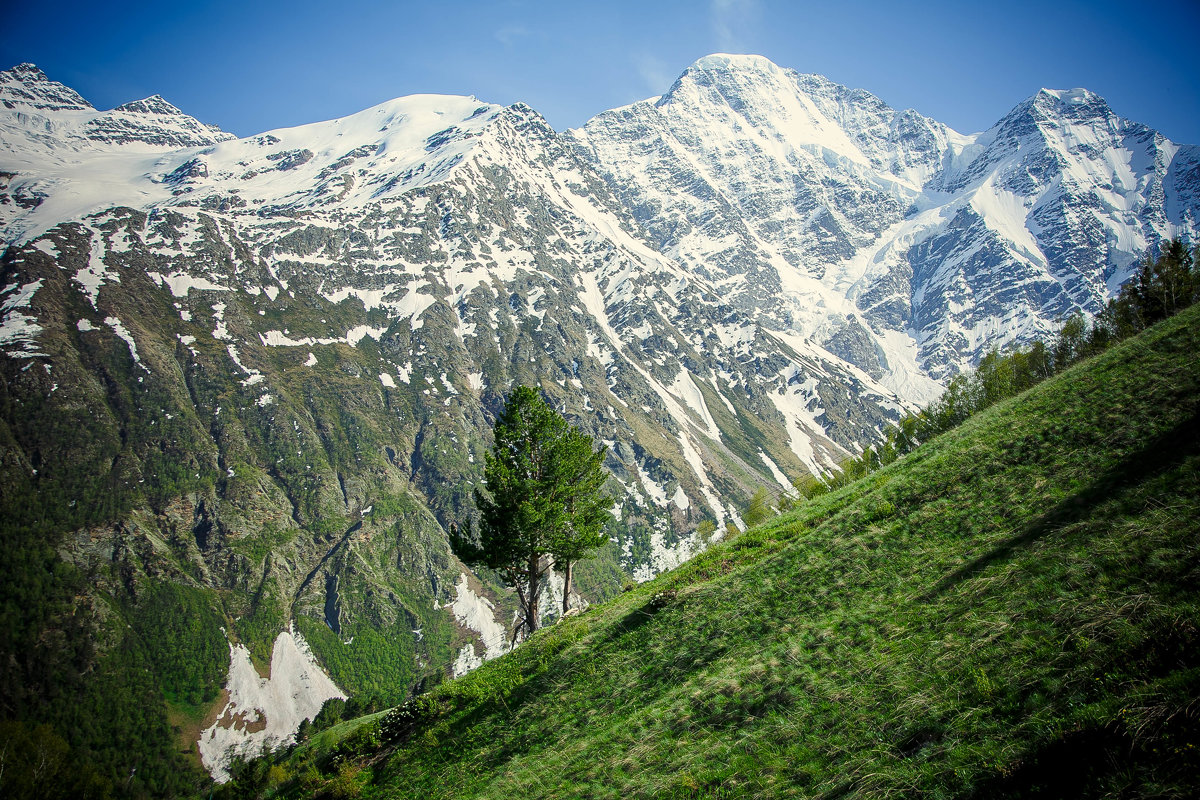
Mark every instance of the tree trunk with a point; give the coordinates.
(531, 610)
(566, 587)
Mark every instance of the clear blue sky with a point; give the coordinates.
(250, 66)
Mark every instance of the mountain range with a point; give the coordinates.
(262, 371)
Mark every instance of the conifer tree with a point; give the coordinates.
(579, 476)
(543, 502)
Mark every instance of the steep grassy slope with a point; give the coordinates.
(1009, 611)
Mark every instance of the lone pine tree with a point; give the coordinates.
(543, 503)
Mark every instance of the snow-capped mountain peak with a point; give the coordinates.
(44, 123)
(1074, 103)
(370, 156)
(154, 104)
(151, 122)
(153, 153)
(738, 61)
(26, 88)
(862, 227)
(735, 60)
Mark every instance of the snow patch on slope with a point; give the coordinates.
(479, 615)
(124, 334)
(20, 329)
(686, 390)
(664, 556)
(95, 274)
(265, 711)
(180, 284)
(776, 472)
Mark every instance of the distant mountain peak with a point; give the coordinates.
(745, 61)
(46, 128)
(154, 104)
(755, 83)
(25, 86)
(1076, 96)
(1075, 105)
(1071, 103)
(27, 72)
(771, 180)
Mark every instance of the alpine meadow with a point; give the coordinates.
(756, 439)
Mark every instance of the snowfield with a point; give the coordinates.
(265, 711)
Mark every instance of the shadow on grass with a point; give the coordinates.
(630, 623)
(1156, 457)
(1102, 761)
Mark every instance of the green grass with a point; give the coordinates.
(329, 738)
(1009, 611)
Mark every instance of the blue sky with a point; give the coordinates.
(252, 66)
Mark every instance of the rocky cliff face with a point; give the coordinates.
(264, 370)
(900, 245)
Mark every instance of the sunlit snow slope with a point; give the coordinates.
(899, 244)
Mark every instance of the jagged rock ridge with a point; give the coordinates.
(903, 246)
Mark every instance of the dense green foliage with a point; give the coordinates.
(102, 716)
(1016, 595)
(758, 510)
(181, 632)
(103, 730)
(106, 707)
(377, 662)
(543, 498)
